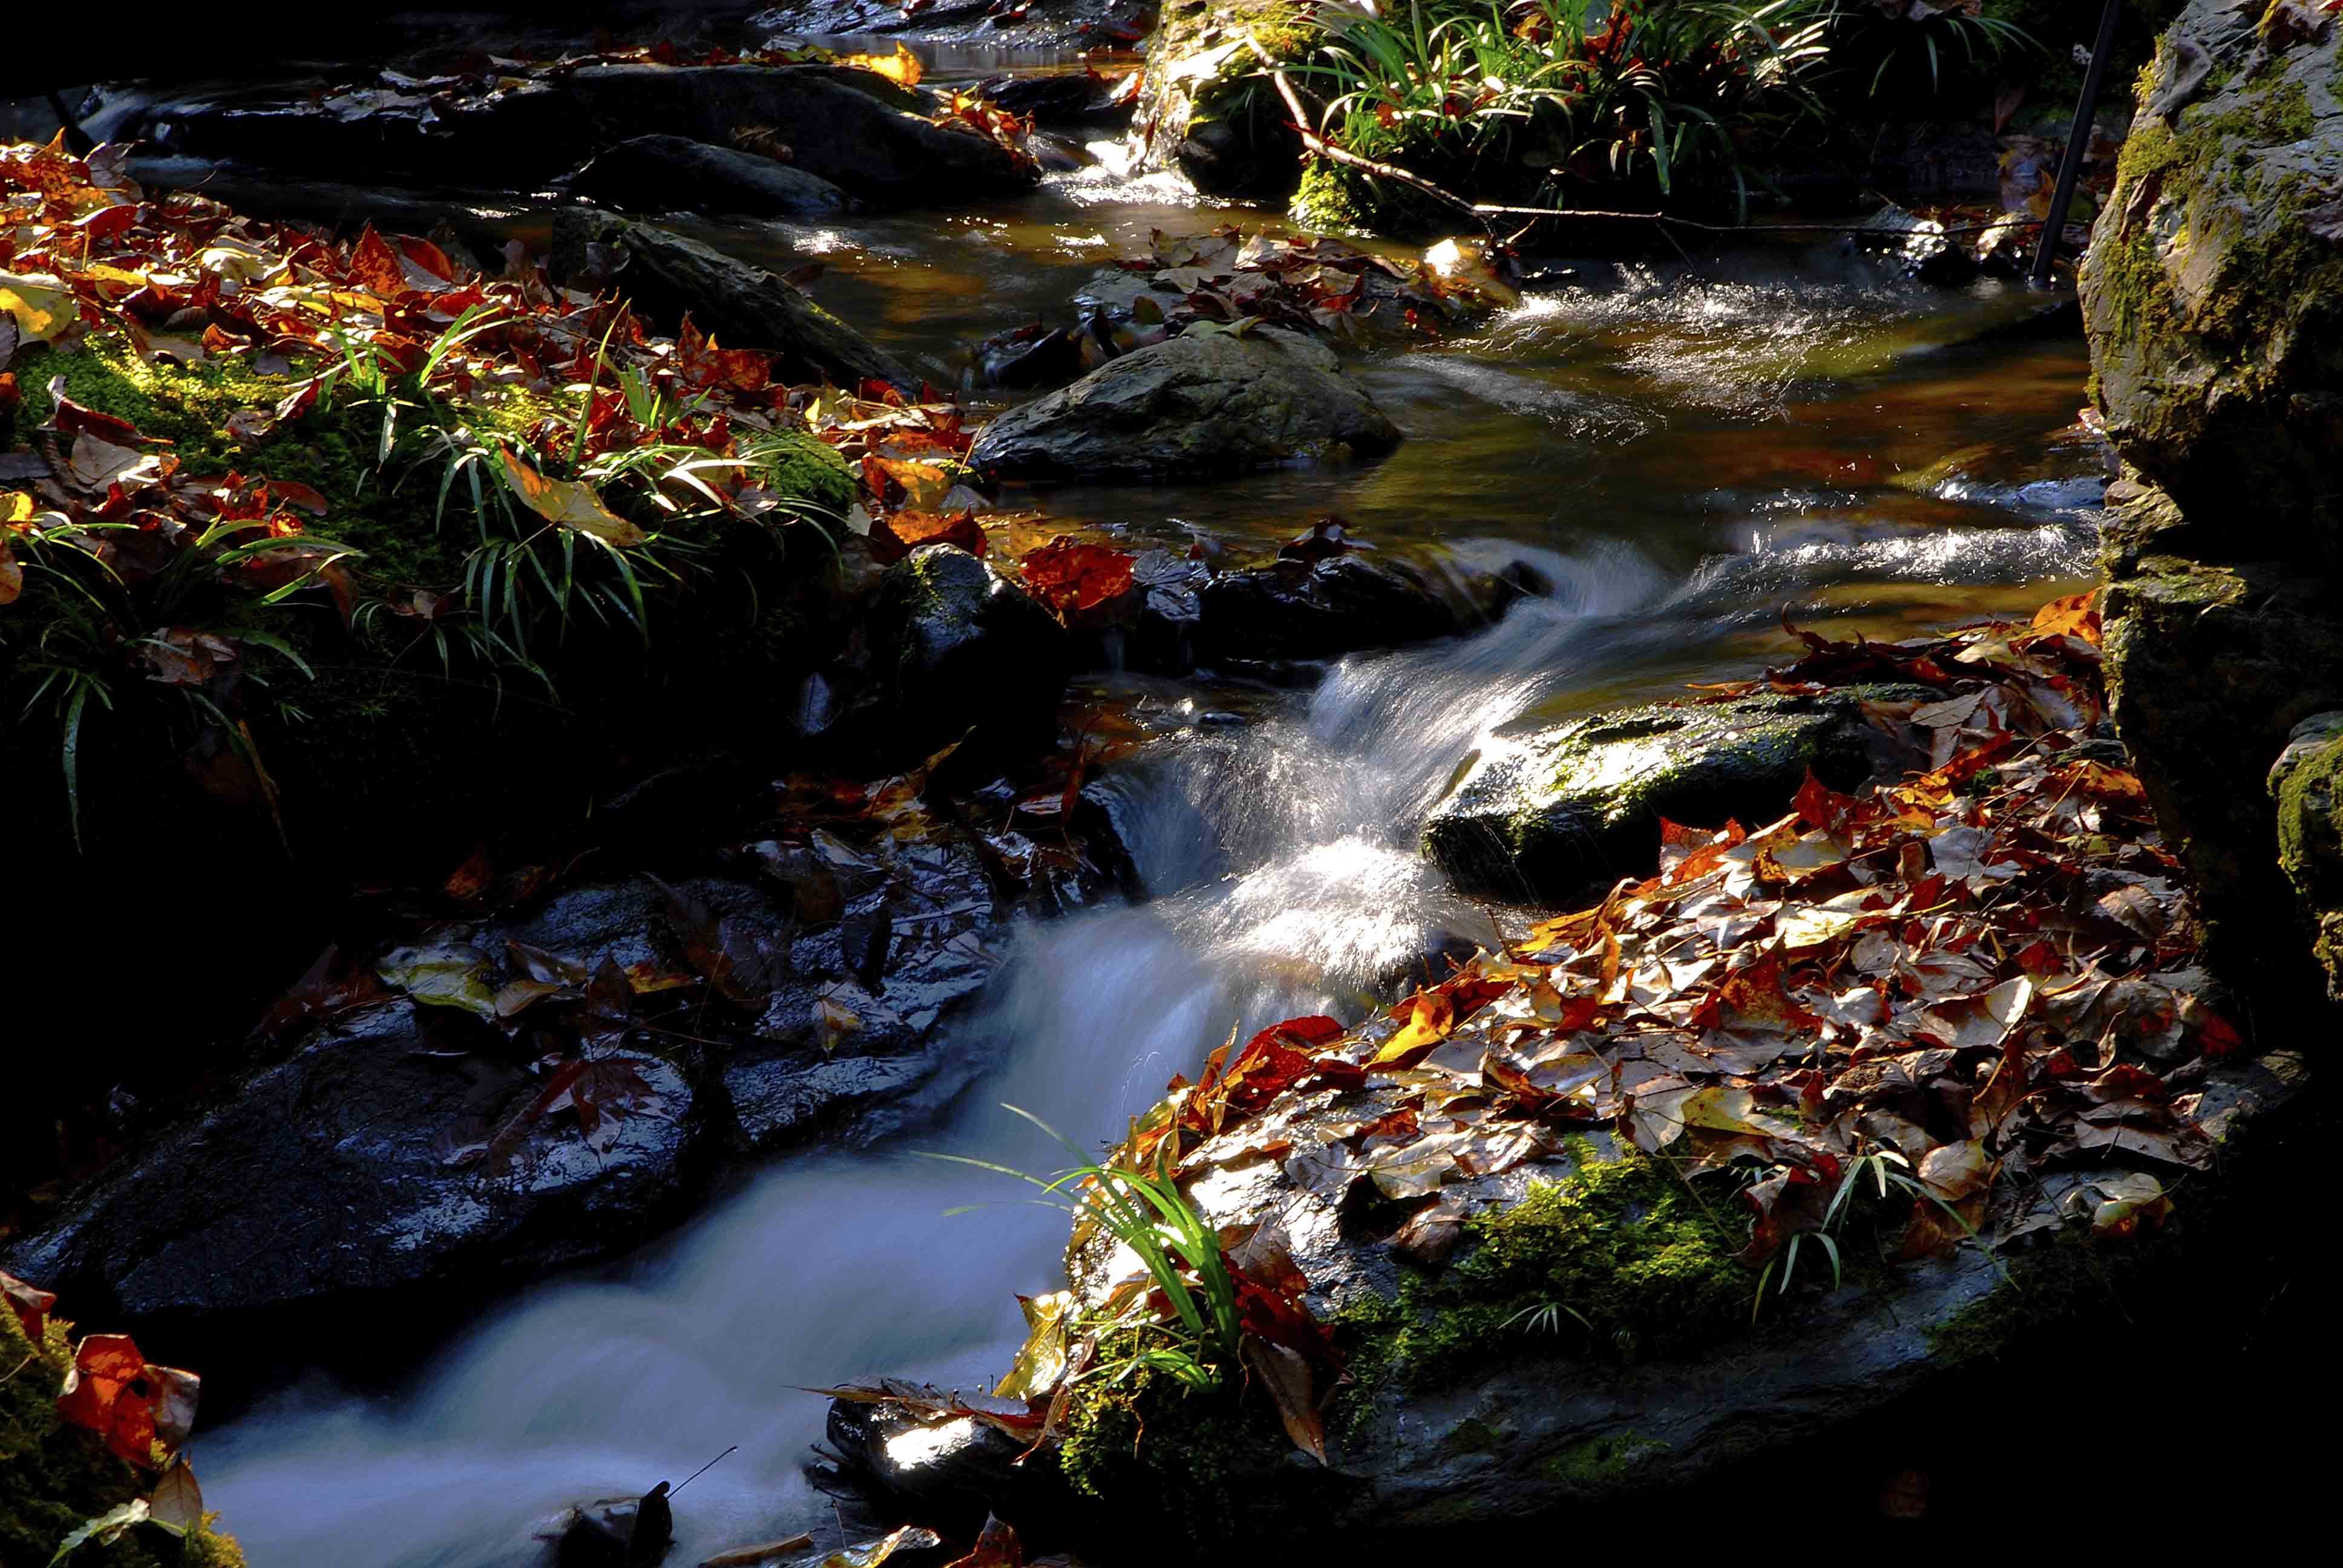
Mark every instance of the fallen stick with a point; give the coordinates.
(1320, 148)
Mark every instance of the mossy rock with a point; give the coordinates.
(2213, 291)
(1551, 815)
(2306, 783)
(2210, 666)
(54, 1477)
(1204, 107)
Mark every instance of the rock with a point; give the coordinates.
(956, 649)
(328, 1176)
(675, 174)
(852, 129)
(1058, 98)
(2213, 290)
(2303, 783)
(1042, 25)
(1202, 404)
(1455, 1417)
(1205, 110)
(351, 1170)
(2213, 298)
(2210, 666)
(668, 277)
(1296, 609)
(1553, 817)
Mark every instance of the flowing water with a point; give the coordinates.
(1683, 450)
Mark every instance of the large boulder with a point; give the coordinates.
(412, 1149)
(669, 277)
(1202, 403)
(1551, 815)
(2213, 293)
(675, 174)
(852, 129)
(2213, 287)
(957, 650)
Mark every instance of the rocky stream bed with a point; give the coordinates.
(1513, 696)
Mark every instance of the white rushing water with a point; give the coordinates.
(834, 1265)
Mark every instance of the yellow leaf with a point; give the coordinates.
(43, 305)
(12, 575)
(568, 503)
(901, 67)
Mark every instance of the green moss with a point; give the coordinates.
(2305, 809)
(1635, 1263)
(54, 1477)
(1596, 1465)
(2213, 151)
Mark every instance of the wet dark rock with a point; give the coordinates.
(1296, 609)
(931, 913)
(668, 277)
(1554, 816)
(1915, 245)
(1058, 98)
(328, 1175)
(956, 649)
(1204, 403)
(675, 174)
(1044, 24)
(852, 129)
(359, 1166)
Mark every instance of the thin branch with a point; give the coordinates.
(1318, 145)
(1325, 149)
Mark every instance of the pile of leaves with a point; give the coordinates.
(141, 1413)
(1979, 981)
(578, 441)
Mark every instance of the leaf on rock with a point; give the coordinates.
(1286, 1377)
(1076, 580)
(451, 974)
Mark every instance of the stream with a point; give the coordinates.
(1681, 450)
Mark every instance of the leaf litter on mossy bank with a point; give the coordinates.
(1955, 988)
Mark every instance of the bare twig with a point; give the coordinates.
(1320, 148)
(1325, 149)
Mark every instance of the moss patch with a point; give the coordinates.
(54, 1477)
(1632, 1263)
